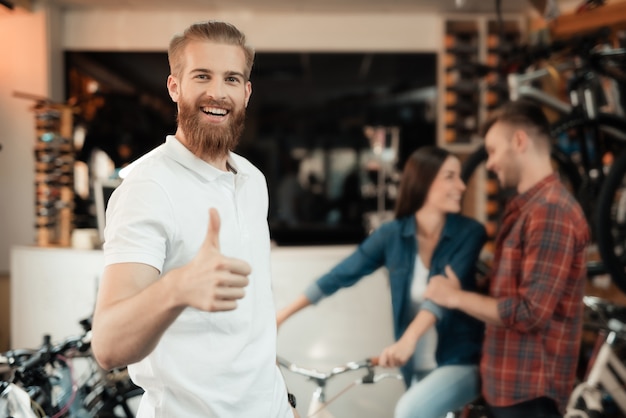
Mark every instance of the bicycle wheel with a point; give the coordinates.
(600, 197)
(112, 395)
(610, 222)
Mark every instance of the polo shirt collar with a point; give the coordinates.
(187, 159)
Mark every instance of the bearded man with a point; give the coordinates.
(185, 298)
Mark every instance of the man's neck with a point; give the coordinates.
(221, 163)
(532, 175)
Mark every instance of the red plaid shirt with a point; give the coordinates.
(538, 278)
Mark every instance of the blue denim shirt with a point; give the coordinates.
(394, 245)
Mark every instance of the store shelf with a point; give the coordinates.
(474, 44)
(54, 174)
(612, 14)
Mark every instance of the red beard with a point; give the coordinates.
(205, 140)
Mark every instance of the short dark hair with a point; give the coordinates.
(418, 175)
(523, 114)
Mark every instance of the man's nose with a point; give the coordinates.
(215, 90)
(489, 164)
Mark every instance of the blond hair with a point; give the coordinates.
(212, 31)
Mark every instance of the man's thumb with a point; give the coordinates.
(212, 239)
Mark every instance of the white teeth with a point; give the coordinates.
(214, 111)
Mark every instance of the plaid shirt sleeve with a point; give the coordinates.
(548, 255)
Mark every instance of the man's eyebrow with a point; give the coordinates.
(235, 73)
(228, 73)
(201, 70)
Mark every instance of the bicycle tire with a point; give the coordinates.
(117, 398)
(609, 220)
(118, 406)
(610, 242)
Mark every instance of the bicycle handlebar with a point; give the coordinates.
(22, 360)
(612, 316)
(321, 378)
(368, 363)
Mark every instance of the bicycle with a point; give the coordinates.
(319, 402)
(584, 139)
(42, 381)
(603, 386)
(318, 405)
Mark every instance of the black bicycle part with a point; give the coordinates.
(102, 395)
(610, 220)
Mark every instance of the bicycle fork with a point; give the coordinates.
(317, 407)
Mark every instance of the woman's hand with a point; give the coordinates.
(398, 353)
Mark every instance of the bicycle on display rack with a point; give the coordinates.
(589, 148)
(43, 383)
(602, 393)
(319, 402)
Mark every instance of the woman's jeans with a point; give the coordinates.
(444, 389)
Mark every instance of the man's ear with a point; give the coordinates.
(520, 141)
(248, 93)
(173, 88)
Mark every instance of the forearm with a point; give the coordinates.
(420, 324)
(481, 307)
(128, 329)
(297, 305)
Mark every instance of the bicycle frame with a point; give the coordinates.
(601, 375)
(607, 371)
(520, 87)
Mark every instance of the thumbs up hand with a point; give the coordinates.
(212, 282)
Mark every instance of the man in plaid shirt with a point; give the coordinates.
(534, 308)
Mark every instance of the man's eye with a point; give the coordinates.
(232, 79)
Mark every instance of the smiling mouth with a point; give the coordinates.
(214, 111)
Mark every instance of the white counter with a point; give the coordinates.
(51, 290)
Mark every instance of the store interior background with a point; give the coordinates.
(394, 45)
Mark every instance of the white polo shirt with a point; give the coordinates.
(219, 364)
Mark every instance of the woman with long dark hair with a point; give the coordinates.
(437, 349)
